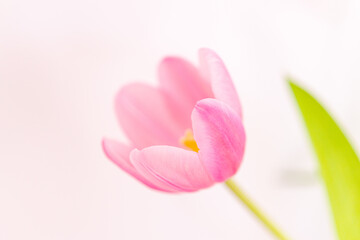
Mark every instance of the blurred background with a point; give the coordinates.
(61, 62)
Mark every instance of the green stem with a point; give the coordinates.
(251, 206)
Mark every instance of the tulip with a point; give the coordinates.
(186, 134)
(192, 109)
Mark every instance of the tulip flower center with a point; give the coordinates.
(188, 141)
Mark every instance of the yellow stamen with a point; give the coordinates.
(188, 141)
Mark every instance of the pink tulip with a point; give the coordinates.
(187, 133)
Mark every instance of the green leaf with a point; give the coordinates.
(340, 167)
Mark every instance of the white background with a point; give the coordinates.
(61, 63)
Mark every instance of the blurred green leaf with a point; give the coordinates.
(340, 167)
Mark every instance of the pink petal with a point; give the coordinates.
(220, 136)
(222, 86)
(181, 81)
(119, 154)
(144, 116)
(171, 168)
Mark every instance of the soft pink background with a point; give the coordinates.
(61, 63)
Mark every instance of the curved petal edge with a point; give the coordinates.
(213, 68)
(220, 136)
(119, 154)
(174, 169)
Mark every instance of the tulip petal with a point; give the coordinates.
(174, 169)
(145, 117)
(119, 154)
(213, 68)
(220, 136)
(182, 82)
